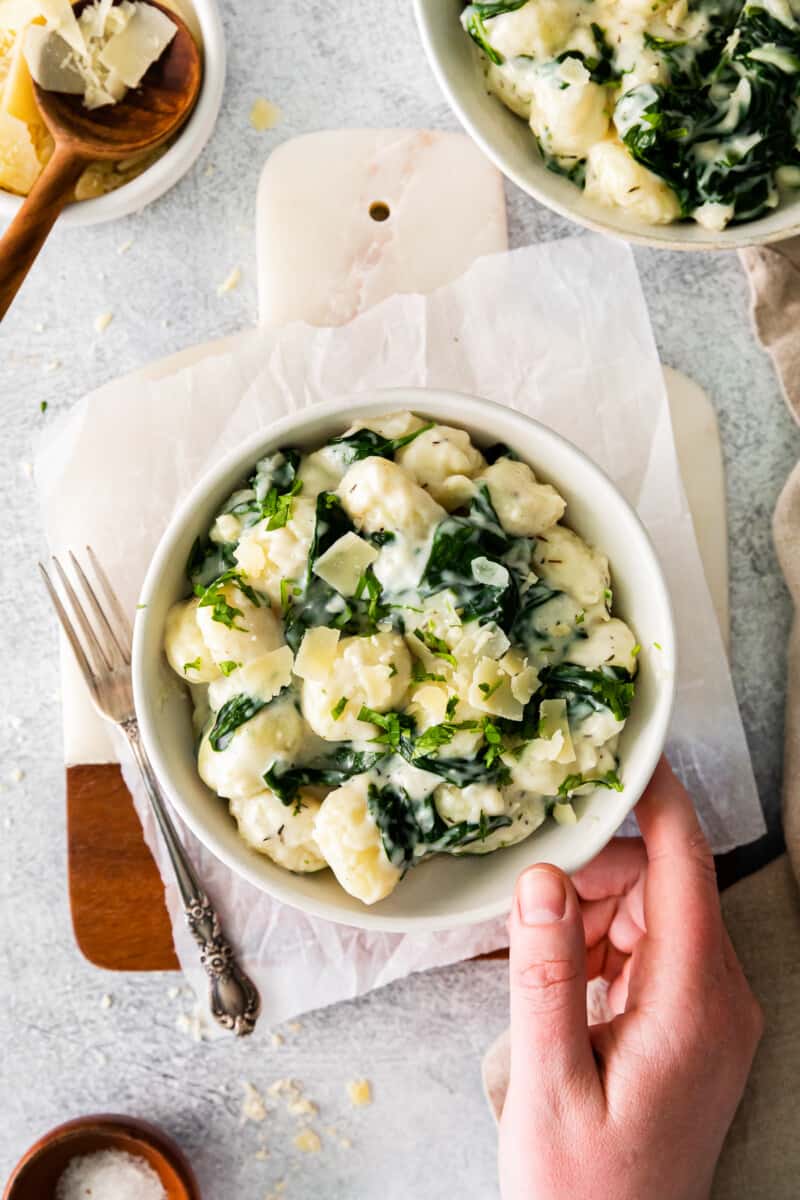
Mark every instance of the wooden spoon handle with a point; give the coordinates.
(26, 234)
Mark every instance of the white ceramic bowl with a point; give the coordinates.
(444, 892)
(511, 146)
(180, 156)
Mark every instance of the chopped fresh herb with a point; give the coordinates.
(194, 665)
(450, 709)
(396, 728)
(580, 618)
(610, 780)
(392, 670)
(420, 675)
(658, 645)
(212, 596)
(436, 645)
(490, 689)
(609, 595)
(138, 606)
(43, 406)
(339, 707)
(277, 506)
(288, 589)
(636, 651)
(229, 666)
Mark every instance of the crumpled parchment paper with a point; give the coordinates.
(559, 331)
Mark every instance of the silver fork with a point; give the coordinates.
(101, 643)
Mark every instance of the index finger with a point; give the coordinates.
(681, 901)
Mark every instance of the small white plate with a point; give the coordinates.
(168, 169)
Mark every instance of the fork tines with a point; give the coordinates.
(99, 635)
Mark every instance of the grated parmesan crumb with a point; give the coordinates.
(233, 280)
(345, 1143)
(102, 322)
(302, 1108)
(276, 1039)
(264, 114)
(360, 1092)
(262, 1153)
(173, 993)
(53, 366)
(294, 1027)
(253, 1106)
(308, 1141)
(106, 1001)
(125, 246)
(16, 775)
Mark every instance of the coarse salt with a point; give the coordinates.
(109, 1175)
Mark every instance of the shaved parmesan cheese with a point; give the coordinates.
(262, 678)
(19, 165)
(51, 62)
(317, 654)
(524, 684)
(60, 17)
(493, 574)
(131, 52)
(490, 691)
(343, 564)
(554, 728)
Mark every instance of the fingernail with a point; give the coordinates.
(541, 897)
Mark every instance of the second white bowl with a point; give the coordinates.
(445, 892)
(511, 146)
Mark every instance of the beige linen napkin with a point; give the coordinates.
(761, 1156)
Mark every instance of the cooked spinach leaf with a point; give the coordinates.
(315, 602)
(406, 825)
(207, 561)
(330, 771)
(457, 542)
(721, 141)
(234, 712)
(607, 687)
(366, 443)
(473, 17)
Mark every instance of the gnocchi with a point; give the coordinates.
(668, 111)
(397, 649)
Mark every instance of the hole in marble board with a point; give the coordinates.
(379, 211)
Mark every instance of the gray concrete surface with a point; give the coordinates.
(427, 1133)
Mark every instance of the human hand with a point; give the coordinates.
(636, 1108)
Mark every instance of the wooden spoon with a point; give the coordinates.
(145, 118)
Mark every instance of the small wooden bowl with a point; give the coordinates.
(38, 1171)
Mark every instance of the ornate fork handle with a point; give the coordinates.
(234, 997)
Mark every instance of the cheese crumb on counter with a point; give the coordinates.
(253, 1106)
(276, 1039)
(360, 1092)
(264, 114)
(106, 1001)
(308, 1141)
(231, 282)
(102, 322)
(109, 1175)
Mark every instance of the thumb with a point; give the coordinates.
(550, 1047)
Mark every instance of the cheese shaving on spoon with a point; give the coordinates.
(100, 54)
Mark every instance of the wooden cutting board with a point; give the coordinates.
(343, 220)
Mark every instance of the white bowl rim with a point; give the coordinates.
(174, 164)
(736, 237)
(242, 457)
